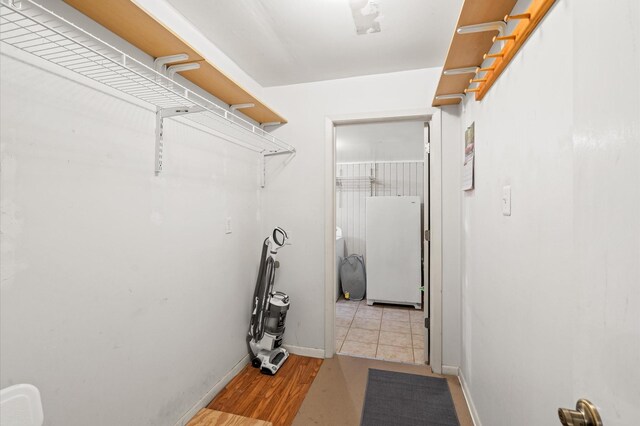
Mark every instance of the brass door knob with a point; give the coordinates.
(585, 414)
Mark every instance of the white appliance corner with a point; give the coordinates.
(208, 397)
(393, 249)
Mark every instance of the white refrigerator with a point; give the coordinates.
(393, 251)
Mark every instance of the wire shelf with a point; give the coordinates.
(355, 183)
(30, 27)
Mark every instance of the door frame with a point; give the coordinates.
(434, 117)
(426, 242)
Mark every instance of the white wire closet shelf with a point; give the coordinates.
(31, 27)
(355, 183)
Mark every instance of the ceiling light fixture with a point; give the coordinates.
(366, 16)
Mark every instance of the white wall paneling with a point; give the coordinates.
(356, 181)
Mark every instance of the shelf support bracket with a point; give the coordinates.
(188, 66)
(172, 112)
(263, 164)
(161, 61)
(270, 124)
(236, 107)
(161, 114)
(159, 141)
(262, 170)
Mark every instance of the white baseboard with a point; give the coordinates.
(467, 397)
(206, 399)
(450, 370)
(301, 350)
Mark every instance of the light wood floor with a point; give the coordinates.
(272, 398)
(308, 391)
(337, 394)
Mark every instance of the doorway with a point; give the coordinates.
(367, 161)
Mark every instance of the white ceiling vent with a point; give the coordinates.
(366, 16)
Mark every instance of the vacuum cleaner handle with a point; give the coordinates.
(276, 241)
(279, 237)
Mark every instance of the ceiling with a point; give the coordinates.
(280, 42)
(382, 141)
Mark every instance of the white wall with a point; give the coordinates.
(382, 141)
(452, 153)
(292, 199)
(119, 289)
(551, 303)
(307, 106)
(123, 300)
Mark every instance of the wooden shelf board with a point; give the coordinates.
(538, 9)
(466, 50)
(129, 21)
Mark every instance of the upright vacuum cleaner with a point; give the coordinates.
(269, 312)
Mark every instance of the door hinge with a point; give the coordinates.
(427, 235)
(426, 322)
(427, 147)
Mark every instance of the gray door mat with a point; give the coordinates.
(401, 399)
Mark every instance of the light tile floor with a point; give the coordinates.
(383, 332)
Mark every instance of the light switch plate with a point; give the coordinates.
(506, 201)
(227, 228)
